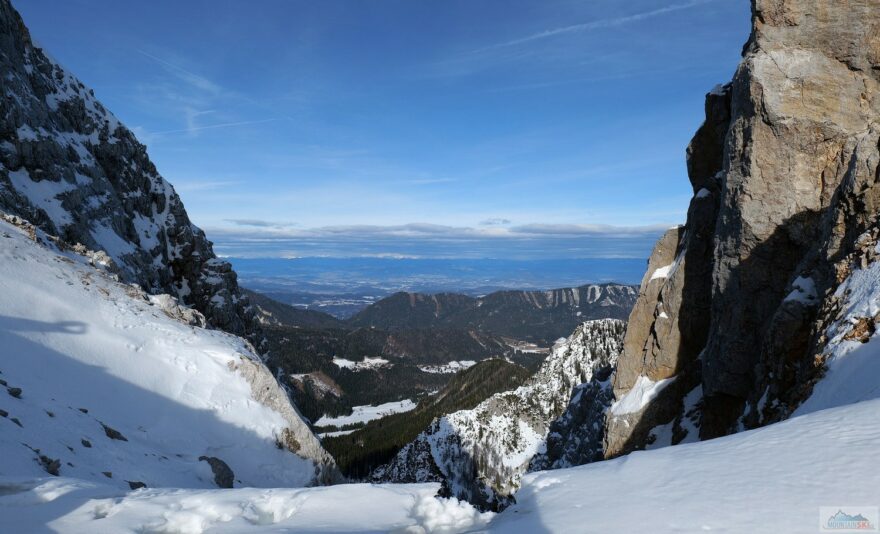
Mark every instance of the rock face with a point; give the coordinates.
(223, 475)
(70, 167)
(480, 455)
(735, 304)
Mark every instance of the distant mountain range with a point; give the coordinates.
(344, 286)
(539, 317)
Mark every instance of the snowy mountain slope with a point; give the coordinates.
(105, 384)
(70, 167)
(771, 480)
(481, 454)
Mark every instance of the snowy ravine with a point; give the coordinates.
(103, 383)
(481, 454)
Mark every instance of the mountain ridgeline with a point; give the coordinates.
(540, 317)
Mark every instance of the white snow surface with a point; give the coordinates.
(662, 272)
(87, 351)
(803, 290)
(853, 367)
(643, 392)
(77, 507)
(770, 480)
(367, 363)
(43, 194)
(364, 414)
(449, 367)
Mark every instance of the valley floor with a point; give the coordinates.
(776, 479)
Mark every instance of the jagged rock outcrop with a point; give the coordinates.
(70, 167)
(735, 304)
(295, 436)
(577, 436)
(480, 455)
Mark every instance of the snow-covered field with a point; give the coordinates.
(448, 368)
(364, 414)
(853, 368)
(367, 363)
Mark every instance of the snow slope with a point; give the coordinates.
(110, 386)
(770, 480)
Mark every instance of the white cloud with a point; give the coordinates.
(495, 221)
(435, 231)
(537, 241)
(260, 223)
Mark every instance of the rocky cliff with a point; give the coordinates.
(69, 166)
(731, 325)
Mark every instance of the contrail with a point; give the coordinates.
(597, 24)
(211, 126)
(190, 77)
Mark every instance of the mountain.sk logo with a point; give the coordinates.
(848, 519)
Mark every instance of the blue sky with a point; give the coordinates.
(372, 127)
